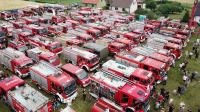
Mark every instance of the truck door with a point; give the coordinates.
(124, 100)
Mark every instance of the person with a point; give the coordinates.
(197, 54)
(179, 90)
(162, 110)
(167, 96)
(182, 107)
(84, 94)
(171, 108)
(193, 75)
(184, 78)
(162, 91)
(190, 54)
(189, 110)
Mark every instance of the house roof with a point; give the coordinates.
(197, 13)
(90, 1)
(140, 1)
(120, 3)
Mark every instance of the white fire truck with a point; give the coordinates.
(22, 97)
(53, 80)
(15, 61)
(120, 90)
(39, 53)
(82, 58)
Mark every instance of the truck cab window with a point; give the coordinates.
(124, 98)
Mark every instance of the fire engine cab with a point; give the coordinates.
(39, 53)
(120, 91)
(82, 58)
(23, 98)
(36, 30)
(15, 61)
(53, 80)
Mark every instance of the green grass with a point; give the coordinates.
(57, 1)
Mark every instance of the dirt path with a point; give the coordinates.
(15, 4)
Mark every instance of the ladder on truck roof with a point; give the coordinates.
(11, 53)
(156, 43)
(159, 36)
(119, 78)
(142, 51)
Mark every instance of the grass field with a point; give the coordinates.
(15, 4)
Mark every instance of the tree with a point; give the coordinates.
(186, 17)
(151, 5)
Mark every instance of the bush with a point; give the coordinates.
(186, 17)
(151, 5)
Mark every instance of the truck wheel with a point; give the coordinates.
(38, 87)
(85, 69)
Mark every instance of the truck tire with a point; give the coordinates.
(37, 85)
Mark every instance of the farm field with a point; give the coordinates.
(190, 98)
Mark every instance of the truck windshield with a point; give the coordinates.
(82, 75)
(93, 60)
(53, 47)
(70, 87)
(26, 65)
(53, 59)
(43, 31)
(23, 48)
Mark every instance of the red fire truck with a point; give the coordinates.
(103, 105)
(73, 23)
(157, 43)
(53, 80)
(21, 35)
(120, 91)
(104, 30)
(18, 46)
(18, 24)
(80, 75)
(129, 44)
(82, 58)
(69, 40)
(143, 77)
(39, 53)
(151, 53)
(55, 29)
(36, 30)
(95, 33)
(15, 61)
(7, 28)
(29, 20)
(23, 98)
(116, 47)
(53, 46)
(81, 36)
(136, 60)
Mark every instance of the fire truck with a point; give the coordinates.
(6, 15)
(53, 46)
(15, 61)
(39, 53)
(81, 36)
(36, 30)
(103, 105)
(158, 43)
(18, 45)
(18, 24)
(3, 37)
(116, 47)
(23, 98)
(73, 23)
(80, 75)
(151, 53)
(65, 27)
(29, 20)
(91, 31)
(120, 90)
(21, 35)
(136, 60)
(58, 19)
(55, 29)
(69, 40)
(168, 38)
(129, 44)
(53, 80)
(137, 75)
(104, 30)
(7, 28)
(82, 58)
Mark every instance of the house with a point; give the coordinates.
(197, 14)
(129, 6)
(94, 3)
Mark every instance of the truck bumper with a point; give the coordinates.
(69, 100)
(95, 67)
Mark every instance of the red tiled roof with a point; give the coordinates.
(90, 1)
